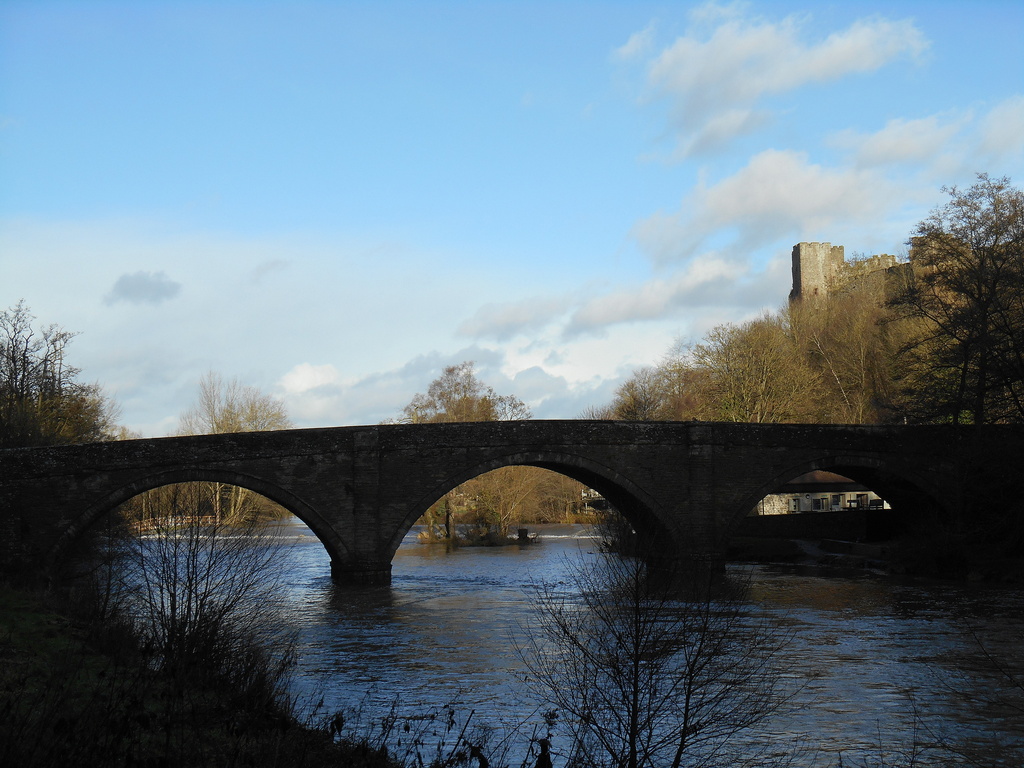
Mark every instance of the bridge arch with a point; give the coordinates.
(905, 488)
(110, 500)
(359, 488)
(632, 502)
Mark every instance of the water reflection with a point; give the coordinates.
(876, 658)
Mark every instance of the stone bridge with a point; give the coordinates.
(683, 485)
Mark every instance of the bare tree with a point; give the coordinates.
(224, 407)
(647, 669)
(559, 498)
(503, 497)
(682, 383)
(597, 413)
(967, 365)
(457, 395)
(42, 402)
(640, 397)
(199, 593)
(850, 340)
(754, 372)
(670, 391)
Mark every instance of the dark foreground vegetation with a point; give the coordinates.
(80, 690)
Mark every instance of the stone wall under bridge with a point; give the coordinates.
(684, 486)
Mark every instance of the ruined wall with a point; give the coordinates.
(821, 269)
(815, 268)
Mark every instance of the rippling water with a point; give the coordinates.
(880, 662)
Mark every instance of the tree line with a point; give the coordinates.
(940, 342)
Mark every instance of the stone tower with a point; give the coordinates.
(816, 266)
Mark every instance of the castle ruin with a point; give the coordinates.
(821, 269)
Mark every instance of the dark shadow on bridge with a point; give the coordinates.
(852, 499)
(684, 487)
(112, 504)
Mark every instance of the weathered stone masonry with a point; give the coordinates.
(821, 269)
(684, 486)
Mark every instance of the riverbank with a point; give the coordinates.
(78, 691)
(893, 557)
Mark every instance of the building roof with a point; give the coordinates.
(821, 481)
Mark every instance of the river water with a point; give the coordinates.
(880, 663)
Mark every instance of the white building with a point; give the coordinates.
(819, 492)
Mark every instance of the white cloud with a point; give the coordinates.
(557, 379)
(304, 377)
(715, 81)
(510, 319)
(318, 394)
(777, 195)
(703, 281)
(639, 44)
(554, 396)
(723, 126)
(942, 148)
(1002, 129)
(866, 46)
(313, 395)
(546, 325)
(902, 141)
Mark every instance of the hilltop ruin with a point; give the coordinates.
(821, 269)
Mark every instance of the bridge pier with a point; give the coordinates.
(361, 573)
(688, 563)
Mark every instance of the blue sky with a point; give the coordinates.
(331, 201)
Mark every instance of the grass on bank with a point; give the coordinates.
(74, 691)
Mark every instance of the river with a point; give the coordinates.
(881, 663)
